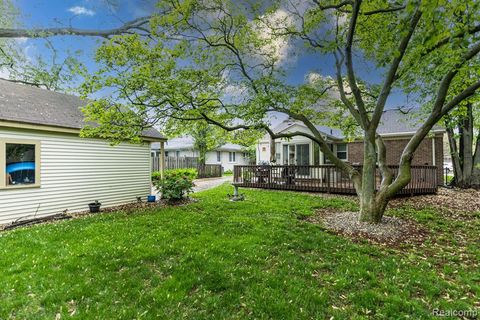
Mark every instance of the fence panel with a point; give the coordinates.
(204, 171)
(209, 170)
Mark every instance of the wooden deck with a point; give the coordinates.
(324, 178)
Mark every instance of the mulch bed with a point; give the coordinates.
(461, 204)
(391, 231)
(458, 204)
(139, 206)
(126, 208)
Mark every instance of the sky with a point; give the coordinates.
(88, 14)
(103, 14)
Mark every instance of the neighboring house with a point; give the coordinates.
(227, 155)
(46, 168)
(396, 128)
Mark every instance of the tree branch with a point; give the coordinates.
(128, 27)
(349, 64)
(392, 72)
(438, 111)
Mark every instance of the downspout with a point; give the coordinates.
(433, 151)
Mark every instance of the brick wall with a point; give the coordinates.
(422, 156)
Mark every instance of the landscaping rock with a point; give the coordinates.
(390, 231)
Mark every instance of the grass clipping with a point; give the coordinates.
(391, 231)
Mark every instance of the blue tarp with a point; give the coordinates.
(20, 166)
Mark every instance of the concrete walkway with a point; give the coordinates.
(209, 183)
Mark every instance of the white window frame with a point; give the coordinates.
(3, 163)
(232, 157)
(346, 151)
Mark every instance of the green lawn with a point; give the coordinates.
(215, 259)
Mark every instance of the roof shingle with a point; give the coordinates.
(26, 104)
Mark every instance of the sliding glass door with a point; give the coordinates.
(302, 155)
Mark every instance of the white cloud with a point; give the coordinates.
(279, 47)
(4, 73)
(78, 10)
(21, 40)
(313, 77)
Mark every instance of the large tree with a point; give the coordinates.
(205, 137)
(225, 63)
(463, 132)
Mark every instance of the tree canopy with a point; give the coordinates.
(226, 63)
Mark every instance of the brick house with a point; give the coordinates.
(396, 128)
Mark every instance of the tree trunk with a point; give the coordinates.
(466, 138)
(371, 209)
(466, 163)
(457, 168)
(202, 153)
(475, 180)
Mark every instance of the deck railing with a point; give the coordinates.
(325, 178)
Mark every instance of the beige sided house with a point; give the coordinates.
(46, 168)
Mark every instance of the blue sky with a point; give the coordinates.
(89, 14)
(100, 14)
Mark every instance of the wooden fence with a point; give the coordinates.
(325, 178)
(210, 170)
(204, 171)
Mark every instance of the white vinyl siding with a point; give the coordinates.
(75, 172)
(211, 158)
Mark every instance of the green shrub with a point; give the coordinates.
(228, 172)
(192, 173)
(156, 176)
(175, 184)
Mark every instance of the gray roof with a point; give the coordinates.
(330, 132)
(26, 104)
(393, 122)
(398, 122)
(186, 143)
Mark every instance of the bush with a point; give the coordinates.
(191, 173)
(176, 184)
(156, 176)
(228, 172)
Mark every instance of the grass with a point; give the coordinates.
(216, 259)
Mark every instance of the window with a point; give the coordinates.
(278, 150)
(177, 154)
(285, 154)
(231, 156)
(219, 156)
(342, 151)
(166, 153)
(20, 162)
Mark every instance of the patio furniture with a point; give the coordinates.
(288, 174)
